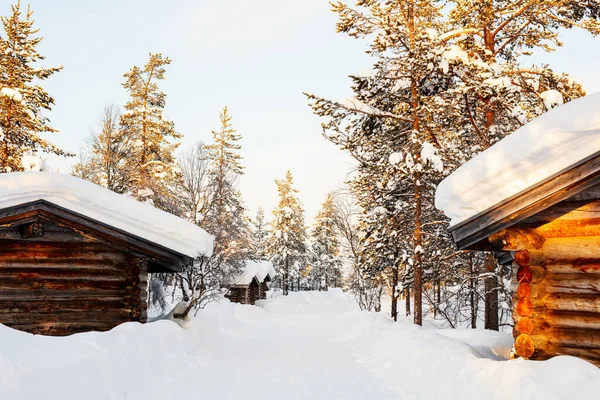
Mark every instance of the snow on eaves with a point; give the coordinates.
(543, 148)
(254, 269)
(102, 205)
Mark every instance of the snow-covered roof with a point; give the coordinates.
(255, 269)
(542, 149)
(107, 207)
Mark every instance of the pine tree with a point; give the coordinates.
(259, 235)
(393, 129)
(225, 216)
(287, 241)
(325, 251)
(22, 99)
(105, 159)
(151, 168)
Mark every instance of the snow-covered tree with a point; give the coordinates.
(225, 216)
(152, 172)
(495, 92)
(22, 98)
(325, 260)
(260, 234)
(103, 162)
(392, 127)
(286, 244)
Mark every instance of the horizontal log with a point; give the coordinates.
(28, 294)
(591, 355)
(560, 319)
(567, 283)
(117, 315)
(57, 255)
(66, 283)
(63, 328)
(33, 245)
(571, 302)
(58, 271)
(566, 248)
(573, 268)
(59, 305)
(582, 338)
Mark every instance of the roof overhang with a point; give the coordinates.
(161, 259)
(472, 234)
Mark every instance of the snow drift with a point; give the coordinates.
(315, 345)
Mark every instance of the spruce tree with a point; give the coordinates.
(225, 217)
(259, 235)
(22, 99)
(151, 168)
(287, 241)
(325, 248)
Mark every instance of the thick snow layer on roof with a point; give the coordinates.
(255, 269)
(532, 154)
(110, 208)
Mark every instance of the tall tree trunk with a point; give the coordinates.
(491, 293)
(407, 291)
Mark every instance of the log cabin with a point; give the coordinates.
(75, 257)
(252, 284)
(533, 199)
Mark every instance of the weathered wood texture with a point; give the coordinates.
(247, 294)
(56, 281)
(557, 301)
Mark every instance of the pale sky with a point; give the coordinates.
(257, 57)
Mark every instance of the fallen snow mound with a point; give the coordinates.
(540, 150)
(110, 208)
(315, 345)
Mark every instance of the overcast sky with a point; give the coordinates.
(257, 57)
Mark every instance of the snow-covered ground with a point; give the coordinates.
(309, 345)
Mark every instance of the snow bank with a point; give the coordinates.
(538, 151)
(308, 345)
(110, 208)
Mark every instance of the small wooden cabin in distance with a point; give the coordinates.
(75, 257)
(252, 284)
(534, 200)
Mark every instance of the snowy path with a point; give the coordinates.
(305, 346)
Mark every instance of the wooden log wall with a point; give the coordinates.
(263, 288)
(61, 283)
(557, 300)
(238, 294)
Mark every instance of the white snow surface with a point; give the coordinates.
(110, 208)
(255, 269)
(308, 345)
(540, 150)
